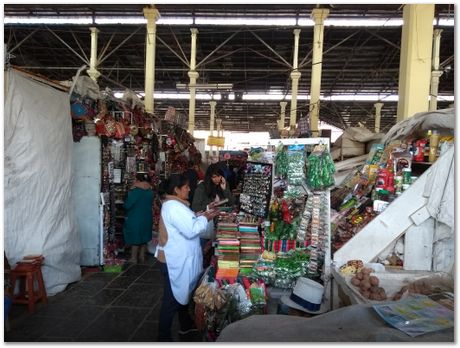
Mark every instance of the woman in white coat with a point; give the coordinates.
(179, 254)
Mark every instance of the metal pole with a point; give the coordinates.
(435, 73)
(319, 15)
(192, 85)
(219, 129)
(295, 76)
(378, 109)
(151, 14)
(282, 115)
(92, 71)
(211, 123)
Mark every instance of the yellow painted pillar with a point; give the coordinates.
(211, 122)
(282, 115)
(415, 60)
(295, 76)
(435, 72)
(318, 15)
(193, 75)
(220, 133)
(92, 71)
(378, 109)
(151, 14)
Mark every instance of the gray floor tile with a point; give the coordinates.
(116, 324)
(102, 307)
(69, 328)
(121, 282)
(58, 309)
(135, 270)
(30, 328)
(100, 276)
(104, 297)
(151, 277)
(90, 286)
(147, 332)
(138, 295)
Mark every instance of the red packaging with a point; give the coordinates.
(419, 150)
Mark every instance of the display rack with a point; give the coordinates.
(408, 216)
(326, 274)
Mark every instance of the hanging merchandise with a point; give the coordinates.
(257, 187)
(321, 169)
(296, 165)
(128, 146)
(281, 161)
(305, 220)
(319, 241)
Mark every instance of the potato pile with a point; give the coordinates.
(369, 285)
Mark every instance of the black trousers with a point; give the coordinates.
(169, 307)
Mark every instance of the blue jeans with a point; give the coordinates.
(169, 307)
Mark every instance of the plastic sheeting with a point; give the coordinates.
(353, 142)
(356, 323)
(439, 190)
(38, 208)
(420, 123)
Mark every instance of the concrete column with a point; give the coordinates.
(282, 115)
(151, 14)
(435, 73)
(192, 85)
(415, 60)
(219, 130)
(211, 122)
(92, 71)
(318, 15)
(219, 127)
(378, 109)
(295, 76)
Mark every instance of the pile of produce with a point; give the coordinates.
(369, 285)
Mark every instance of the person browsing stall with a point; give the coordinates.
(179, 254)
(137, 228)
(213, 189)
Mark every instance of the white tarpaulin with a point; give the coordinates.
(38, 208)
(417, 125)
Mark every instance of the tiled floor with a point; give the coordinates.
(102, 307)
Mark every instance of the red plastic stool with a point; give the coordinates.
(27, 271)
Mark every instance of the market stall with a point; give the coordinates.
(279, 234)
(395, 214)
(115, 139)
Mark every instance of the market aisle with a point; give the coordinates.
(102, 307)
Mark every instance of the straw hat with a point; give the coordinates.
(306, 296)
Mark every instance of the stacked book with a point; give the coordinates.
(228, 250)
(250, 248)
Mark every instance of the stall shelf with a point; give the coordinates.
(423, 215)
(326, 273)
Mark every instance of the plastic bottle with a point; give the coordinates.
(434, 142)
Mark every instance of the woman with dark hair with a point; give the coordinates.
(179, 253)
(214, 188)
(137, 228)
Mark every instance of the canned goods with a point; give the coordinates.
(407, 174)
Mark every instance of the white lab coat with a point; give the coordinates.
(183, 254)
